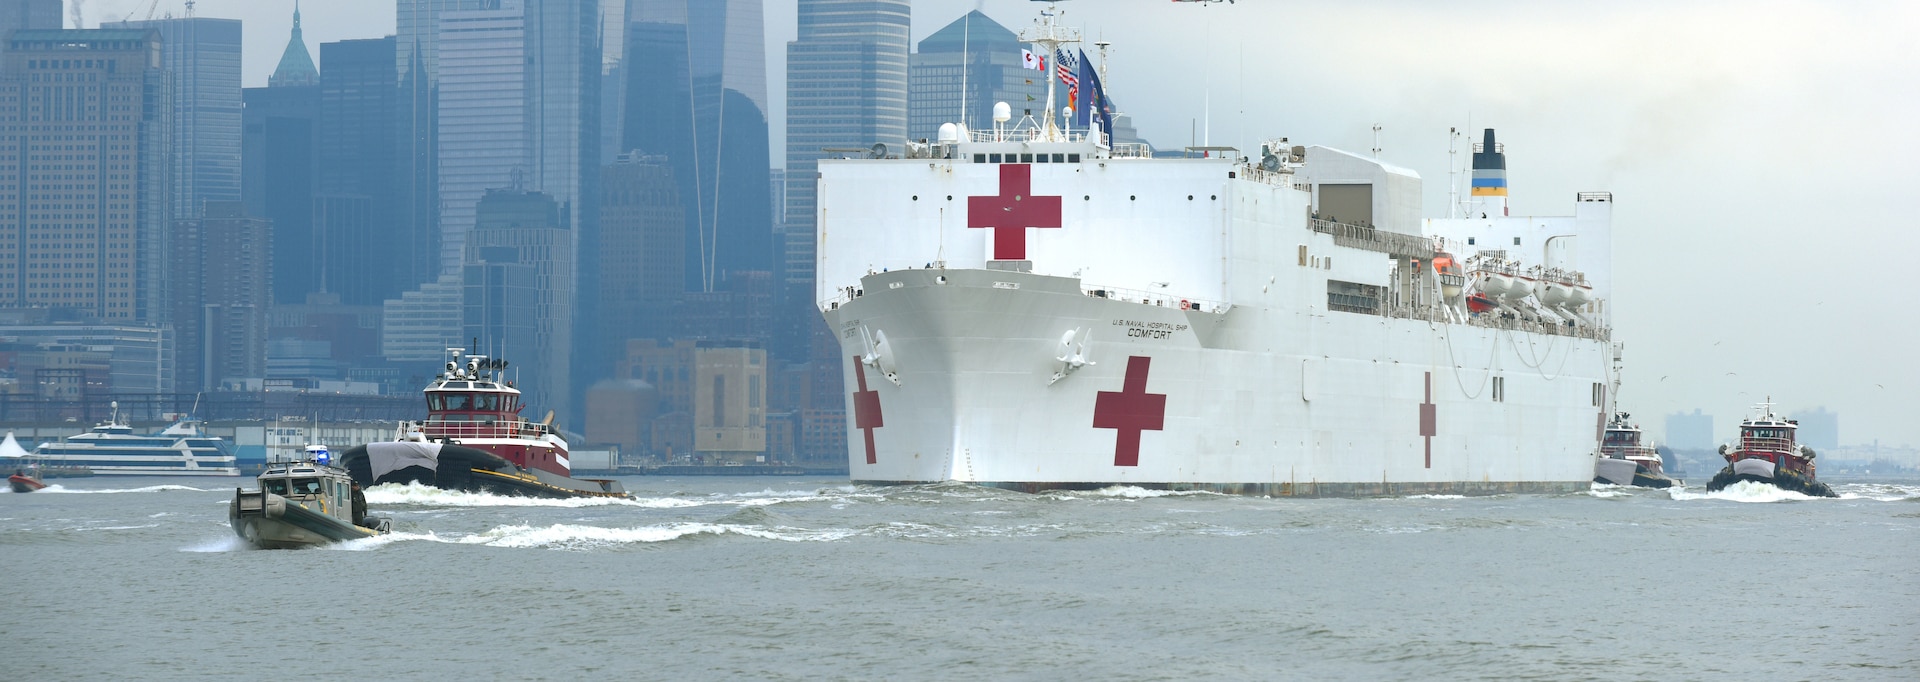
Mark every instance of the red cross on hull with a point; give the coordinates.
(866, 408)
(1130, 411)
(1013, 211)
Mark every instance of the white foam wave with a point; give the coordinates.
(419, 494)
(576, 537)
(1131, 492)
(1878, 492)
(149, 525)
(1742, 491)
(57, 488)
(226, 543)
(1436, 497)
(428, 496)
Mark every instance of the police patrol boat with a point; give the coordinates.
(302, 504)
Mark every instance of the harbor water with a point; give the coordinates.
(794, 578)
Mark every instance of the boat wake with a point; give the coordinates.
(57, 488)
(1743, 491)
(566, 536)
(1129, 492)
(1878, 492)
(418, 494)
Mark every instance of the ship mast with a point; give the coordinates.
(1048, 35)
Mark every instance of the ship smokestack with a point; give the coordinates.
(1490, 176)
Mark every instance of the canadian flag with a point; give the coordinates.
(1037, 62)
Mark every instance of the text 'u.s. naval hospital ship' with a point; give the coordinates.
(1037, 308)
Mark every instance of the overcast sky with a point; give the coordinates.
(1760, 153)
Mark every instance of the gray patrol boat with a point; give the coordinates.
(302, 504)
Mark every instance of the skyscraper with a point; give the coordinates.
(279, 166)
(962, 70)
(417, 35)
(221, 271)
(642, 229)
(528, 230)
(23, 14)
(485, 121)
(846, 87)
(361, 156)
(202, 55)
(697, 93)
(83, 193)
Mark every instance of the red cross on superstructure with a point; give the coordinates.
(866, 407)
(1429, 419)
(1130, 411)
(1013, 211)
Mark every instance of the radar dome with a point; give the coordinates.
(1002, 112)
(949, 133)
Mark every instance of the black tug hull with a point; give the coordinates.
(1784, 480)
(472, 470)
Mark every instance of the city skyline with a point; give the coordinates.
(1676, 108)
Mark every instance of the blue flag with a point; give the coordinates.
(1093, 100)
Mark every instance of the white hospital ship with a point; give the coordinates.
(1036, 308)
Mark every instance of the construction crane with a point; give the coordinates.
(152, 6)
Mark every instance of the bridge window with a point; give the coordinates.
(979, 158)
(457, 401)
(992, 158)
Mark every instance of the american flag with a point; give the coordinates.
(1063, 64)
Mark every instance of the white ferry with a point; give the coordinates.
(114, 449)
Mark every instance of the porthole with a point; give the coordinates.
(1087, 197)
(1132, 197)
(916, 197)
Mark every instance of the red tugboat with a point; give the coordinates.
(1768, 454)
(475, 440)
(1625, 460)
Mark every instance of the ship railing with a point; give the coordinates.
(1491, 321)
(1763, 444)
(1159, 299)
(1281, 178)
(1374, 239)
(507, 428)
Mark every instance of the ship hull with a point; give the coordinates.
(454, 467)
(1247, 400)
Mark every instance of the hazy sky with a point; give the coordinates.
(1756, 151)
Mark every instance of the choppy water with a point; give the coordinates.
(814, 579)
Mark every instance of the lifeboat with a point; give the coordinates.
(1452, 281)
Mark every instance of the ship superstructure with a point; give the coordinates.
(1035, 307)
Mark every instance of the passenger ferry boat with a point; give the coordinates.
(301, 504)
(1768, 452)
(113, 448)
(474, 439)
(1041, 307)
(1625, 460)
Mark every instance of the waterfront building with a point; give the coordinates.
(83, 188)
